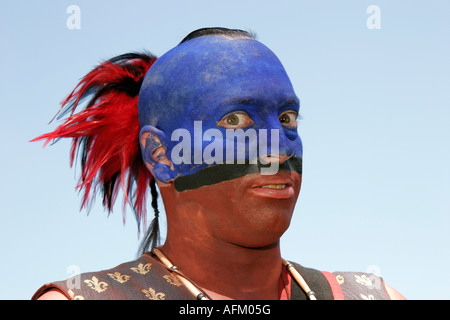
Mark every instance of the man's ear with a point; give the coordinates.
(154, 154)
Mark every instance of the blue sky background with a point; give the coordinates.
(375, 103)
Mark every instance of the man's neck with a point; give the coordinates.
(228, 271)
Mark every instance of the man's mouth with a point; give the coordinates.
(274, 189)
(274, 186)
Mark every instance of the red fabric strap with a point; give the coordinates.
(335, 287)
(285, 285)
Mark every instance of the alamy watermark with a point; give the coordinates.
(375, 277)
(240, 147)
(374, 20)
(74, 279)
(73, 21)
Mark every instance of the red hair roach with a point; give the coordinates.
(105, 133)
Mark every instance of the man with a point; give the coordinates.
(218, 132)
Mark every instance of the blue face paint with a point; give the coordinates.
(203, 80)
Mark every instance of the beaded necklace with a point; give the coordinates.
(199, 294)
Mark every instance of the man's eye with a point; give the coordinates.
(235, 120)
(289, 119)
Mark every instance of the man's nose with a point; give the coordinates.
(269, 158)
(280, 147)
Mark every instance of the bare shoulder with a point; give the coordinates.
(53, 294)
(393, 294)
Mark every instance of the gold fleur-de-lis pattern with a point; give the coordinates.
(340, 279)
(364, 280)
(141, 279)
(146, 278)
(142, 268)
(172, 280)
(95, 284)
(73, 296)
(121, 278)
(153, 295)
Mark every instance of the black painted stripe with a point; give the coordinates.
(223, 172)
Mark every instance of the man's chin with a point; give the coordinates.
(252, 211)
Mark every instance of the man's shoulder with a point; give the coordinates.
(139, 279)
(361, 285)
(346, 285)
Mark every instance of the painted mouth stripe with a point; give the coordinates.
(224, 172)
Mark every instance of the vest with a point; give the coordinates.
(146, 278)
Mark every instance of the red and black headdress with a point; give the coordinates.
(105, 135)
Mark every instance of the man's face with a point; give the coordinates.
(207, 94)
